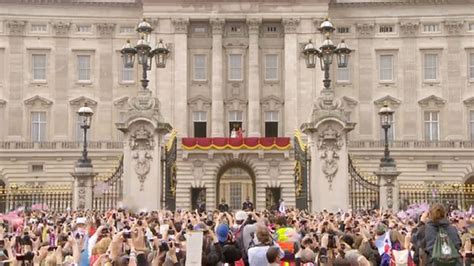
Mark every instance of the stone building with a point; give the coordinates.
(235, 63)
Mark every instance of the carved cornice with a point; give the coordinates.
(235, 103)
(61, 28)
(291, 24)
(121, 102)
(349, 102)
(199, 102)
(130, 3)
(453, 27)
(81, 100)
(38, 100)
(469, 102)
(254, 25)
(217, 25)
(271, 102)
(394, 3)
(365, 29)
(180, 25)
(389, 100)
(16, 27)
(432, 99)
(106, 29)
(409, 28)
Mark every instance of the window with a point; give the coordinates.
(200, 124)
(199, 29)
(471, 66)
(432, 167)
(83, 67)
(430, 67)
(127, 29)
(39, 67)
(431, 125)
(235, 67)
(37, 168)
(343, 74)
(343, 30)
(39, 28)
(235, 195)
(272, 29)
(235, 120)
(390, 132)
(471, 124)
(79, 132)
(271, 124)
(199, 65)
(386, 68)
(84, 28)
(271, 67)
(386, 29)
(38, 126)
(235, 28)
(127, 73)
(431, 28)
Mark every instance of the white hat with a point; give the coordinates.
(81, 220)
(240, 215)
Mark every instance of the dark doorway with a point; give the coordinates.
(198, 197)
(272, 197)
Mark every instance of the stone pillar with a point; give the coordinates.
(388, 191)
(83, 187)
(254, 115)
(217, 107)
(144, 129)
(180, 52)
(291, 75)
(329, 187)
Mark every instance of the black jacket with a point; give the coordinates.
(431, 232)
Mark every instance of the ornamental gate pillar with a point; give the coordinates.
(327, 131)
(144, 129)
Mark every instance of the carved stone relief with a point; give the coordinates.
(291, 24)
(198, 170)
(330, 143)
(61, 28)
(365, 29)
(274, 169)
(141, 143)
(453, 27)
(106, 29)
(409, 28)
(16, 27)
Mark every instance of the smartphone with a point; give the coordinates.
(52, 248)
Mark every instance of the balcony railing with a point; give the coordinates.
(59, 145)
(412, 144)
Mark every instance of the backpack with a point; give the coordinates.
(444, 251)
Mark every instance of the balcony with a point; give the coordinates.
(236, 143)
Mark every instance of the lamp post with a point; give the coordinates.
(85, 113)
(144, 52)
(386, 116)
(326, 52)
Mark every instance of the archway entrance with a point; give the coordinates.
(235, 183)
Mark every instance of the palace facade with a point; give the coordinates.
(237, 64)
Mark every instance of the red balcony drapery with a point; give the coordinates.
(236, 143)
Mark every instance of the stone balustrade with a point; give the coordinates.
(60, 145)
(412, 144)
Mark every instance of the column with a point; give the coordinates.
(389, 190)
(180, 53)
(217, 107)
(254, 115)
(291, 75)
(83, 188)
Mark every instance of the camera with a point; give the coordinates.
(331, 241)
(164, 247)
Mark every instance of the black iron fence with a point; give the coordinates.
(458, 195)
(51, 197)
(108, 190)
(363, 190)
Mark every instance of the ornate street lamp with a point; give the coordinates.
(85, 113)
(326, 52)
(386, 116)
(144, 52)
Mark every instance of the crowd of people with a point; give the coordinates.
(242, 237)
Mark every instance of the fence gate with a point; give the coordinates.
(171, 151)
(363, 191)
(301, 172)
(108, 190)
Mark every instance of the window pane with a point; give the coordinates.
(271, 116)
(38, 126)
(199, 117)
(343, 74)
(79, 134)
(200, 129)
(386, 67)
(235, 65)
(431, 61)
(127, 73)
(271, 67)
(83, 67)
(39, 66)
(235, 116)
(471, 124)
(200, 67)
(271, 129)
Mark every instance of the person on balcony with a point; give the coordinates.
(247, 205)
